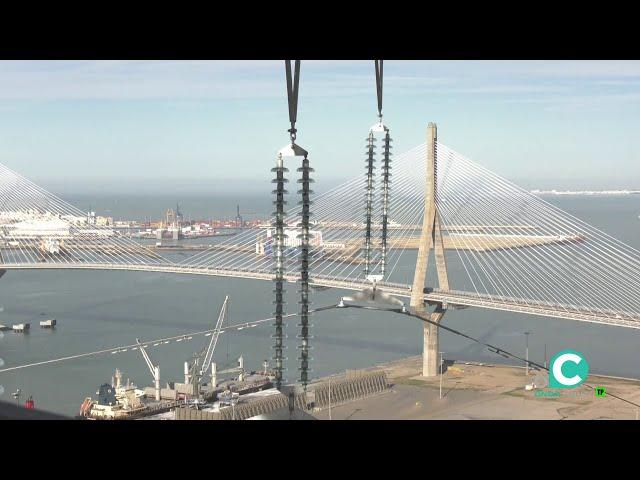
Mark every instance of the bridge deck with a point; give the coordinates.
(451, 298)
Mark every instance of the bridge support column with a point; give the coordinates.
(431, 237)
(430, 351)
(430, 348)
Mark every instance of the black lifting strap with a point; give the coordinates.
(292, 94)
(379, 85)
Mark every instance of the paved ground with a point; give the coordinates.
(485, 392)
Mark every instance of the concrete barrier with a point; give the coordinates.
(243, 411)
(356, 385)
(184, 413)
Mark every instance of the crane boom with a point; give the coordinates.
(155, 370)
(152, 368)
(208, 356)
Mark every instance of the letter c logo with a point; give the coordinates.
(568, 369)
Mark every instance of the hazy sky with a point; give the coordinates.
(218, 124)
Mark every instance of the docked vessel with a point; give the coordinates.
(125, 401)
(118, 401)
(202, 387)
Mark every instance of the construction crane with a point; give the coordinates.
(203, 362)
(154, 369)
(208, 355)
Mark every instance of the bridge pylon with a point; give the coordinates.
(431, 237)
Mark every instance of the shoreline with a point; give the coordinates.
(482, 391)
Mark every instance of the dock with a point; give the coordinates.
(272, 404)
(350, 251)
(479, 242)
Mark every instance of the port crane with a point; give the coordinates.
(208, 354)
(154, 369)
(203, 361)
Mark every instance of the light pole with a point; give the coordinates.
(526, 335)
(329, 398)
(16, 395)
(441, 363)
(233, 402)
(545, 355)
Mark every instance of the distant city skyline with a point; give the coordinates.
(199, 125)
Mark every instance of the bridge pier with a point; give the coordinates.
(431, 344)
(431, 237)
(430, 351)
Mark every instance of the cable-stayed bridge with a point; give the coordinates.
(493, 245)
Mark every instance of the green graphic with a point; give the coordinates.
(601, 392)
(568, 369)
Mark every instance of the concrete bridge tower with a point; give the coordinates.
(431, 237)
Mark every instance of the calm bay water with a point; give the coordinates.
(102, 309)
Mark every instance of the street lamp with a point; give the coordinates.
(233, 407)
(526, 335)
(329, 398)
(16, 395)
(441, 363)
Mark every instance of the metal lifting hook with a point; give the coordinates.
(292, 96)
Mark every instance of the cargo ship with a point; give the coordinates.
(125, 401)
(119, 401)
